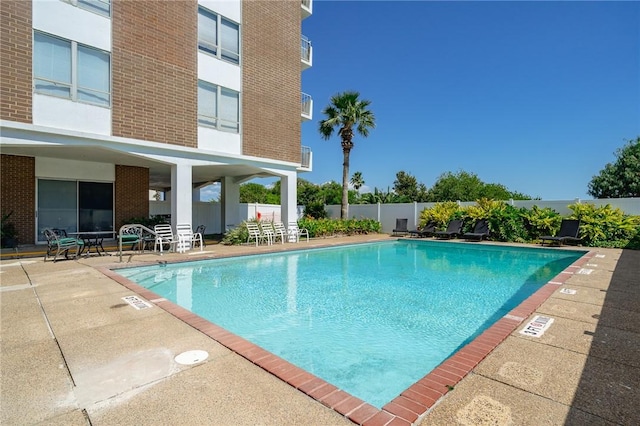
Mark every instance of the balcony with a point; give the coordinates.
(306, 53)
(307, 107)
(306, 161)
(307, 9)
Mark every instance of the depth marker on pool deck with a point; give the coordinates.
(136, 302)
(537, 326)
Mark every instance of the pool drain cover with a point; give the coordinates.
(191, 357)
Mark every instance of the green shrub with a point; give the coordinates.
(507, 224)
(441, 214)
(237, 235)
(149, 222)
(7, 231)
(316, 210)
(605, 226)
(545, 221)
(333, 227)
(316, 227)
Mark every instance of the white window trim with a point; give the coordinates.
(218, 48)
(82, 5)
(73, 86)
(220, 121)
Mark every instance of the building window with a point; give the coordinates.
(75, 206)
(218, 36)
(71, 70)
(218, 107)
(101, 7)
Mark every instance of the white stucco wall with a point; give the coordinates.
(73, 23)
(77, 170)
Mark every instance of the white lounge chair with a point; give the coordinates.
(267, 232)
(187, 238)
(164, 235)
(279, 231)
(255, 233)
(296, 232)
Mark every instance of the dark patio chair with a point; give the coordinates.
(569, 231)
(480, 231)
(200, 230)
(59, 243)
(401, 227)
(426, 231)
(454, 228)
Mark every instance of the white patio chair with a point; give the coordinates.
(267, 232)
(255, 233)
(164, 235)
(296, 232)
(187, 238)
(279, 231)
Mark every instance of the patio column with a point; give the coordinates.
(181, 195)
(288, 197)
(230, 199)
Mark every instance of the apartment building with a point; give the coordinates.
(104, 100)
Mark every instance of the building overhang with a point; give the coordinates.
(207, 166)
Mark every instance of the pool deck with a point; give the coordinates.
(73, 352)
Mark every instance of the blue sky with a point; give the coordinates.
(536, 96)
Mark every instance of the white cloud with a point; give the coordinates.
(210, 192)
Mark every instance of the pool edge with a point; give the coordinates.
(413, 403)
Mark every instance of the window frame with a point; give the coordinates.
(219, 123)
(217, 50)
(88, 5)
(73, 85)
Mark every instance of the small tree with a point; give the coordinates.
(357, 181)
(406, 186)
(622, 178)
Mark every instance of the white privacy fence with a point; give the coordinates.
(209, 213)
(387, 214)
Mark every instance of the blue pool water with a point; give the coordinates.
(371, 319)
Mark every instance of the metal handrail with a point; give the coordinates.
(305, 52)
(306, 156)
(306, 104)
(138, 230)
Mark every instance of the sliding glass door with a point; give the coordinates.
(74, 206)
(95, 201)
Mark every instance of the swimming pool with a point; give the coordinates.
(371, 319)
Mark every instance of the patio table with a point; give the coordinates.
(93, 239)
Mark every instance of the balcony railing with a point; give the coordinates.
(307, 107)
(305, 161)
(306, 53)
(307, 8)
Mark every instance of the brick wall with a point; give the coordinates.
(18, 194)
(131, 194)
(15, 60)
(155, 77)
(271, 79)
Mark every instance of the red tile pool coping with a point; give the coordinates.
(414, 401)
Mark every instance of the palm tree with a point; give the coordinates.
(344, 112)
(357, 181)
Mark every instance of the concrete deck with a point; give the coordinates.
(73, 353)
